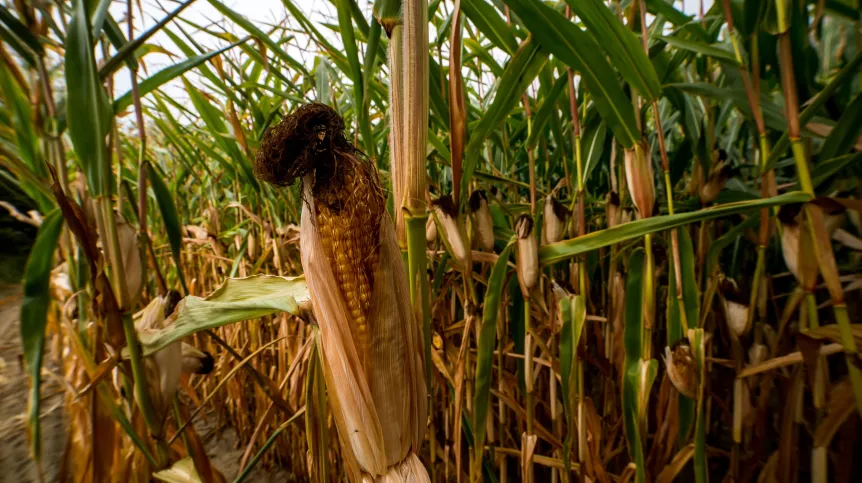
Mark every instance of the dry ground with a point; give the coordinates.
(15, 463)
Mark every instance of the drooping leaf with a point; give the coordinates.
(34, 314)
(621, 44)
(556, 252)
(575, 47)
(573, 311)
(173, 227)
(487, 339)
(236, 300)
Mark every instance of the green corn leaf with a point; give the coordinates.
(21, 121)
(34, 313)
(236, 300)
(621, 44)
(593, 146)
(667, 10)
(115, 36)
(126, 52)
(824, 170)
(700, 48)
(847, 72)
(259, 35)
(632, 338)
(485, 354)
(773, 115)
(545, 111)
(522, 68)
(573, 311)
(564, 250)
(348, 39)
(173, 227)
(321, 79)
(700, 464)
(168, 74)
(87, 103)
(846, 131)
(214, 120)
(575, 47)
(690, 294)
(488, 21)
(675, 330)
(20, 31)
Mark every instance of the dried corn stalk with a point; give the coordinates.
(371, 342)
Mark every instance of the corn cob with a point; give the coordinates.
(372, 348)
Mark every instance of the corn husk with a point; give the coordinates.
(797, 247)
(528, 254)
(681, 367)
(555, 217)
(718, 176)
(163, 369)
(640, 178)
(430, 230)
(454, 231)
(132, 267)
(834, 213)
(378, 404)
(757, 353)
(480, 217)
(736, 308)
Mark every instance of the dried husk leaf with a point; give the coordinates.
(681, 367)
(183, 471)
(454, 231)
(612, 209)
(528, 253)
(528, 447)
(736, 315)
(555, 217)
(131, 253)
(640, 178)
(797, 246)
(757, 353)
(430, 230)
(718, 176)
(483, 226)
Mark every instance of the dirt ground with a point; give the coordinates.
(15, 463)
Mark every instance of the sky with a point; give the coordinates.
(260, 12)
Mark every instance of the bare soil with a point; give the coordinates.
(16, 466)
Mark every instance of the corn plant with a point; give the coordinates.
(443, 240)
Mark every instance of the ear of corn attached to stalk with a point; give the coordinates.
(454, 230)
(555, 216)
(640, 178)
(372, 347)
(480, 217)
(528, 253)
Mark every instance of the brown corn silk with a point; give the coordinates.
(373, 357)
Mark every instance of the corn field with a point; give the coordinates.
(448, 240)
